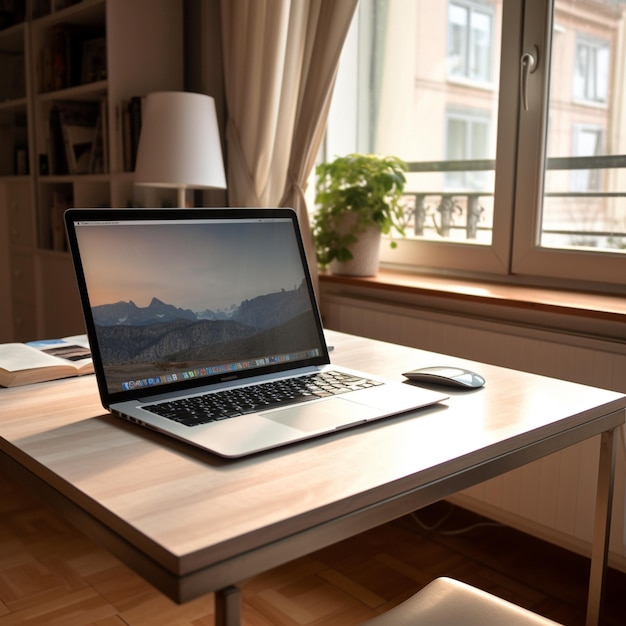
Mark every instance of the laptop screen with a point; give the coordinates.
(214, 294)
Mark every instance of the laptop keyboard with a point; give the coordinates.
(221, 405)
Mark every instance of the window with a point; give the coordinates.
(469, 41)
(571, 222)
(587, 143)
(528, 160)
(591, 71)
(467, 139)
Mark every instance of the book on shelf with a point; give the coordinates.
(73, 132)
(72, 55)
(79, 141)
(57, 161)
(99, 162)
(94, 67)
(131, 114)
(41, 361)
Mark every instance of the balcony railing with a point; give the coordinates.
(467, 214)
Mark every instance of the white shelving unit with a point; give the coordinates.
(104, 52)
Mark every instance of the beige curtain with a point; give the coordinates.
(280, 63)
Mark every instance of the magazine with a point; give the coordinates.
(48, 359)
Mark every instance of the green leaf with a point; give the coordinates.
(366, 186)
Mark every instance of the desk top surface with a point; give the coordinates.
(187, 508)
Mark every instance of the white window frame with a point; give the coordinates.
(514, 253)
(583, 268)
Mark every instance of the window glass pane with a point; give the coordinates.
(587, 143)
(581, 71)
(584, 203)
(480, 137)
(457, 39)
(602, 73)
(428, 85)
(481, 46)
(591, 75)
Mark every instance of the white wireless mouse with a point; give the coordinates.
(446, 375)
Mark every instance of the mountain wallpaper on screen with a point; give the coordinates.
(162, 336)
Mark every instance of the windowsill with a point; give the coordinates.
(596, 314)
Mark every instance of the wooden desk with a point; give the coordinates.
(191, 523)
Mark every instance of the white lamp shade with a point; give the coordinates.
(179, 143)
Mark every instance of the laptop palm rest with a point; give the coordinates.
(336, 413)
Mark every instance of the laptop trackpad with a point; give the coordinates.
(323, 416)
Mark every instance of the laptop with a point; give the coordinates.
(202, 322)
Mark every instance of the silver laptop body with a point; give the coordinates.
(182, 304)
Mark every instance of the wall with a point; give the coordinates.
(554, 497)
(204, 73)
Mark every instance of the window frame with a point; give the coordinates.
(514, 255)
(582, 268)
(465, 258)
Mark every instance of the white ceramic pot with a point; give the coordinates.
(366, 255)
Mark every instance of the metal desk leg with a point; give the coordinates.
(228, 607)
(601, 527)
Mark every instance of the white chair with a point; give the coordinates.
(448, 602)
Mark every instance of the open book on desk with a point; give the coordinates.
(39, 361)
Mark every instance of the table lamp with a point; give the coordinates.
(179, 143)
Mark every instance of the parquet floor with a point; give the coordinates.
(51, 574)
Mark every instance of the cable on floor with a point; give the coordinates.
(436, 527)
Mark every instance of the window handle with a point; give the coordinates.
(528, 66)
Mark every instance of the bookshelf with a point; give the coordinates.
(72, 78)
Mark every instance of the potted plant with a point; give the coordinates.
(358, 199)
